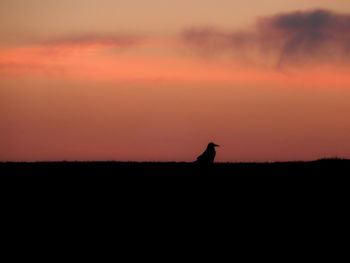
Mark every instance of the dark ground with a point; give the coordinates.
(222, 177)
(231, 187)
(296, 205)
(331, 166)
(241, 180)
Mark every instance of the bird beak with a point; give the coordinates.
(216, 145)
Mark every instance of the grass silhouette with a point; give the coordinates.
(179, 168)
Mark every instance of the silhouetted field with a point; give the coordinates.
(332, 166)
(242, 182)
(291, 195)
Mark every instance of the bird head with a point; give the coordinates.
(212, 145)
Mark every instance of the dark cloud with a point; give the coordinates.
(318, 35)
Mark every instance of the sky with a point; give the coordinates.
(156, 80)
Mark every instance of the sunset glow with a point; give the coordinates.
(268, 80)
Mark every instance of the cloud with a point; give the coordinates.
(66, 56)
(66, 45)
(284, 39)
(20, 69)
(93, 39)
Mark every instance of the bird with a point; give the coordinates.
(208, 156)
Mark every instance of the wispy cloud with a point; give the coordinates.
(55, 55)
(64, 45)
(117, 40)
(286, 39)
(93, 58)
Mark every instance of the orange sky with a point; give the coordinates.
(121, 80)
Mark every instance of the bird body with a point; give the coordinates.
(208, 156)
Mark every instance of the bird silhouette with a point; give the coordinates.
(208, 156)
